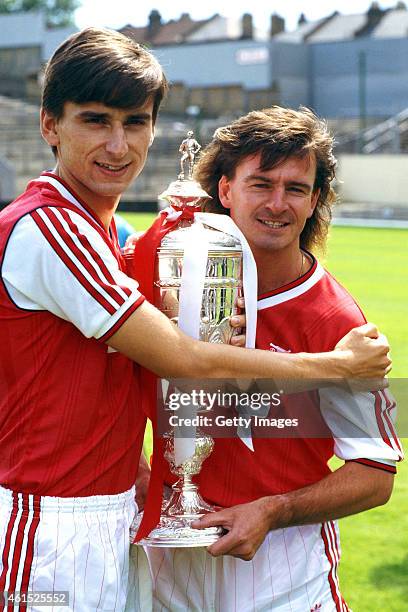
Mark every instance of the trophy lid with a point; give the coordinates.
(189, 189)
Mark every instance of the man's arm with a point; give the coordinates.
(351, 489)
(146, 335)
(152, 340)
(142, 482)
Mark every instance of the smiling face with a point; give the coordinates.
(100, 149)
(271, 206)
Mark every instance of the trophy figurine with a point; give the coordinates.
(201, 308)
(189, 149)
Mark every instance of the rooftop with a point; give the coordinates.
(301, 33)
(186, 29)
(393, 25)
(339, 27)
(159, 33)
(375, 22)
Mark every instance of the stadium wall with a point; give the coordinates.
(325, 76)
(335, 83)
(374, 179)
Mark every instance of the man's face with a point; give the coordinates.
(271, 207)
(101, 149)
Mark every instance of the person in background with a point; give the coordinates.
(124, 229)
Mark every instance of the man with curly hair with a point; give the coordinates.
(272, 170)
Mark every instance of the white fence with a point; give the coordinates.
(374, 179)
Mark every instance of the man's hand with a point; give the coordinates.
(247, 526)
(352, 488)
(366, 352)
(238, 322)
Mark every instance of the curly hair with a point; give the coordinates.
(276, 133)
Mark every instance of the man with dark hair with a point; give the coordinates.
(73, 324)
(271, 170)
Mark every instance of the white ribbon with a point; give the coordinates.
(190, 299)
(224, 223)
(193, 279)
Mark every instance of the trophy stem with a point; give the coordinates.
(186, 501)
(185, 505)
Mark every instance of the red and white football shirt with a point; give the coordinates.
(70, 422)
(295, 569)
(311, 314)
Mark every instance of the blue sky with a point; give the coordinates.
(117, 13)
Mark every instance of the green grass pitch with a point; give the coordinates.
(373, 265)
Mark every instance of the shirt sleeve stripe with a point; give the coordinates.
(383, 406)
(122, 319)
(94, 254)
(74, 269)
(376, 464)
(78, 255)
(379, 417)
(389, 407)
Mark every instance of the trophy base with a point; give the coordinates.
(176, 532)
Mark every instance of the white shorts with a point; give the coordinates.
(76, 545)
(294, 570)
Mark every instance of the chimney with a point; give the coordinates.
(374, 16)
(247, 27)
(374, 13)
(277, 25)
(154, 24)
(302, 19)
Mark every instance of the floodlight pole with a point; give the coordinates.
(362, 95)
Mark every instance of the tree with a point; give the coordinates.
(58, 12)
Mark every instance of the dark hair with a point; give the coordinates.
(100, 65)
(276, 133)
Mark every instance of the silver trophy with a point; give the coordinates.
(222, 286)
